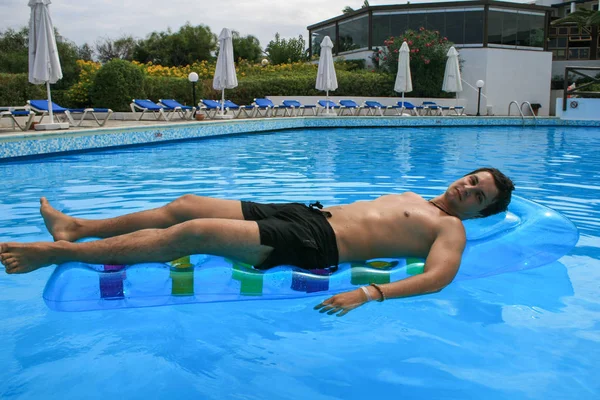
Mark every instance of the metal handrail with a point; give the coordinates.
(530, 109)
(517, 104)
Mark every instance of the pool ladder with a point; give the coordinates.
(520, 109)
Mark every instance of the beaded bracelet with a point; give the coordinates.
(364, 289)
(376, 286)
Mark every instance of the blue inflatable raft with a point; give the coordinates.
(527, 236)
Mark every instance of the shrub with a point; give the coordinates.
(157, 87)
(116, 83)
(15, 90)
(78, 95)
(427, 60)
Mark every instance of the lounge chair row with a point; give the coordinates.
(74, 116)
(166, 109)
(266, 108)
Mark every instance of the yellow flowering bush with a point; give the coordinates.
(79, 94)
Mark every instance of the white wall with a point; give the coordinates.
(519, 75)
(578, 108)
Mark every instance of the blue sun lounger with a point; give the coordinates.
(67, 114)
(13, 114)
(172, 107)
(295, 108)
(148, 106)
(248, 110)
(210, 108)
(351, 106)
(408, 106)
(373, 107)
(328, 104)
(266, 108)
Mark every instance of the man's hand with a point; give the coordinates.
(342, 303)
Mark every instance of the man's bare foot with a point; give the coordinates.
(60, 226)
(20, 258)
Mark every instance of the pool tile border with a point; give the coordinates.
(14, 146)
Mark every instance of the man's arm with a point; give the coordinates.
(441, 267)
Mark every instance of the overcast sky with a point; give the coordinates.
(85, 21)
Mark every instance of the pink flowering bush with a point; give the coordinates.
(428, 51)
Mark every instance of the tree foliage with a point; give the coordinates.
(189, 44)
(349, 9)
(427, 59)
(121, 48)
(14, 55)
(13, 51)
(282, 51)
(116, 83)
(582, 17)
(247, 47)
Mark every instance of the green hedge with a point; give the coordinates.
(116, 83)
(180, 89)
(15, 90)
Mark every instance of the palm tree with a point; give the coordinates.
(582, 17)
(349, 9)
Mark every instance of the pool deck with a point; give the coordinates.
(116, 133)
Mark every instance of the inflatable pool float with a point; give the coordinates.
(529, 235)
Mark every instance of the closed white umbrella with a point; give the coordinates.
(225, 77)
(44, 64)
(403, 79)
(452, 80)
(326, 78)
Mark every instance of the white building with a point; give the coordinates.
(510, 46)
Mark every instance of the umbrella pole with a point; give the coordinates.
(327, 97)
(49, 102)
(222, 101)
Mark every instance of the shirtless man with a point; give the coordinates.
(266, 235)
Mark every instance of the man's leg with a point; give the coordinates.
(185, 208)
(239, 240)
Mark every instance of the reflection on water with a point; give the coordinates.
(532, 334)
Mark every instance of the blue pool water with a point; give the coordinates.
(528, 335)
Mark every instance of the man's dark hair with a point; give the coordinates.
(505, 187)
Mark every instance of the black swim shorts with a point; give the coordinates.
(300, 235)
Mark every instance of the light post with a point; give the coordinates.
(479, 84)
(193, 77)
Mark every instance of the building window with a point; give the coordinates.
(388, 25)
(461, 26)
(354, 34)
(317, 37)
(515, 28)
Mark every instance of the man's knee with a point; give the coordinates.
(179, 209)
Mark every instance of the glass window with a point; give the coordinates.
(563, 31)
(417, 20)
(495, 27)
(473, 27)
(436, 22)
(530, 30)
(385, 26)
(455, 26)
(516, 28)
(509, 28)
(354, 34)
(317, 37)
(559, 54)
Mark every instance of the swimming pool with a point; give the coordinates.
(532, 334)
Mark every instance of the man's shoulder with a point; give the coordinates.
(451, 226)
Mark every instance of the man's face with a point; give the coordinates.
(471, 194)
